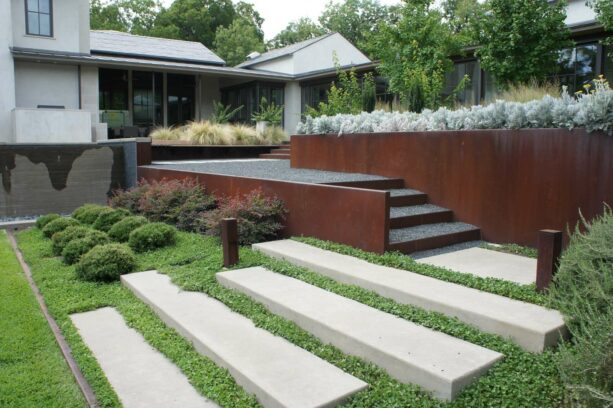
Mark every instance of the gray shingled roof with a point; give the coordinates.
(118, 43)
(282, 52)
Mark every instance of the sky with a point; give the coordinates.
(278, 13)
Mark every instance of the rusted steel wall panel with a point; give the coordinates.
(351, 216)
(179, 152)
(511, 183)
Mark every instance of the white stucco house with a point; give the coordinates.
(64, 83)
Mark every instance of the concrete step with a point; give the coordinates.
(140, 375)
(411, 216)
(486, 264)
(411, 353)
(405, 196)
(423, 237)
(274, 156)
(530, 326)
(279, 373)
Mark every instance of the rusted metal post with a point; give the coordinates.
(229, 241)
(549, 250)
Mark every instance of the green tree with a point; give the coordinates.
(415, 54)
(463, 16)
(356, 20)
(296, 31)
(194, 20)
(134, 16)
(235, 42)
(604, 14)
(521, 39)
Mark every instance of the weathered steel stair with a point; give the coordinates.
(282, 153)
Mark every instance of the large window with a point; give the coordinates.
(181, 99)
(470, 94)
(39, 17)
(147, 91)
(577, 66)
(249, 96)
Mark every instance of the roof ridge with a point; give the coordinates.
(147, 36)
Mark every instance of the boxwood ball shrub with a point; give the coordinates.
(109, 217)
(88, 213)
(58, 225)
(583, 291)
(121, 230)
(106, 263)
(62, 238)
(41, 222)
(152, 236)
(78, 247)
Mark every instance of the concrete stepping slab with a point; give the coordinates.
(140, 375)
(279, 373)
(487, 264)
(411, 353)
(532, 327)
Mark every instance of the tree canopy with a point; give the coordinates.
(521, 39)
(296, 31)
(235, 42)
(135, 16)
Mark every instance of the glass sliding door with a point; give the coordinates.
(181, 99)
(147, 91)
(113, 97)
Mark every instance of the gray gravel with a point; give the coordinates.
(396, 212)
(397, 192)
(267, 169)
(427, 231)
(447, 249)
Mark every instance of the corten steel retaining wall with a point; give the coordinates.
(510, 183)
(38, 179)
(352, 216)
(184, 152)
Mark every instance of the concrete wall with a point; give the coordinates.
(89, 101)
(70, 27)
(43, 126)
(321, 55)
(284, 65)
(46, 84)
(7, 73)
(292, 111)
(42, 179)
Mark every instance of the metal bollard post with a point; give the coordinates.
(229, 241)
(549, 250)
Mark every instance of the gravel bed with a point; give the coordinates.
(397, 192)
(427, 231)
(268, 170)
(396, 212)
(447, 249)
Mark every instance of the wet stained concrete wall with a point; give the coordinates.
(38, 179)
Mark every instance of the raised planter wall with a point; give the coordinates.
(168, 152)
(510, 183)
(352, 216)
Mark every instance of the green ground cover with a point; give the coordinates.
(522, 379)
(513, 249)
(33, 372)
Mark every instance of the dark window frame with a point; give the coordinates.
(50, 14)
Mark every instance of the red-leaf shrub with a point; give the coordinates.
(259, 217)
(177, 202)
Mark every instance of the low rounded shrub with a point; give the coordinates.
(122, 229)
(152, 236)
(58, 225)
(62, 238)
(75, 249)
(109, 217)
(41, 222)
(88, 213)
(106, 263)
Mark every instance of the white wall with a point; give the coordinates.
(46, 84)
(292, 109)
(578, 12)
(90, 102)
(42, 126)
(7, 73)
(70, 27)
(320, 55)
(284, 65)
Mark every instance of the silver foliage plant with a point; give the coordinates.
(592, 110)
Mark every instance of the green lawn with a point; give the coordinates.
(33, 372)
(522, 379)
